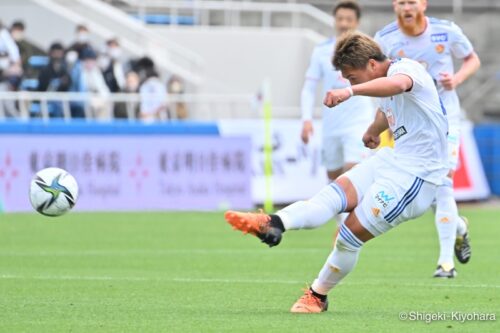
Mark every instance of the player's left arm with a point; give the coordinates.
(380, 87)
(470, 65)
(371, 138)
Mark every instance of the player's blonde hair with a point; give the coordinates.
(354, 49)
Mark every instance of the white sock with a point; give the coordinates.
(446, 221)
(316, 211)
(340, 218)
(340, 262)
(461, 226)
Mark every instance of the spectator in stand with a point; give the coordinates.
(87, 78)
(26, 49)
(10, 69)
(152, 91)
(128, 109)
(82, 42)
(10, 61)
(175, 86)
(112, 67)
(132, 82)
(55, 77)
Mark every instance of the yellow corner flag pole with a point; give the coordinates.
(268, 147)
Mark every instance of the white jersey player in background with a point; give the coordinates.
(343, 125)
(434, 43)
(383, 191)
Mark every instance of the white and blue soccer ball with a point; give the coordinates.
(53, 192)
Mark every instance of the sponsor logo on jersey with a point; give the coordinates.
(383, 199)
(440, 48)
(439, 38)
(399, 132)
(390, 117)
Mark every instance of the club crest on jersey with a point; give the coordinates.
(439, 38)
(440, 48)
(399, 132)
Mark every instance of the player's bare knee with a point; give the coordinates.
(354, 225)
(350, 192)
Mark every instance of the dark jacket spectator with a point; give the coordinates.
(112, 67)
(55, 76)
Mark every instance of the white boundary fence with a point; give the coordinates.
(199, 106)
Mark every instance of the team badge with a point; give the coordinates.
(440, 48)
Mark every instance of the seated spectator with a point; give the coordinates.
(112, 67)
(55, 77)
(153, 93)
(128, 109)
(132, 82)
(87, 78)
(175, 86)
(26, 49)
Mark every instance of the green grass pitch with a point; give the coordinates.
(190, 272)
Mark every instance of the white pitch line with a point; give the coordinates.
(155, 252)
(219, 280)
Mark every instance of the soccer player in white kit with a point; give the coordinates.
(381, 192)
(342, 147)
(434, 43)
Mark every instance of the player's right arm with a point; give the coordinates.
(371, 138)
(380, 87)
(308, 100)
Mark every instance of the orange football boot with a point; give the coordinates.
(308, 303)
(257, 224)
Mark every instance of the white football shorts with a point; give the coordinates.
(387, 195)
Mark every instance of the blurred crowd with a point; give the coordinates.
(84, 68)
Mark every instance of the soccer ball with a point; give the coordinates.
(53, 191)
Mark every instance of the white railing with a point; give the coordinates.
(19, 105)
(233, 10)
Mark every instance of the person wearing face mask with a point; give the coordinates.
(112, 67)
(81, 43)
(10, 61)
(26, 49)
(55, 77)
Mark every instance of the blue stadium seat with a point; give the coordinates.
(29, 84)
(166, 19)
(38, 61)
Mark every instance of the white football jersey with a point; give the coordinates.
(357, 111)
(434, 49)
(418, 120)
